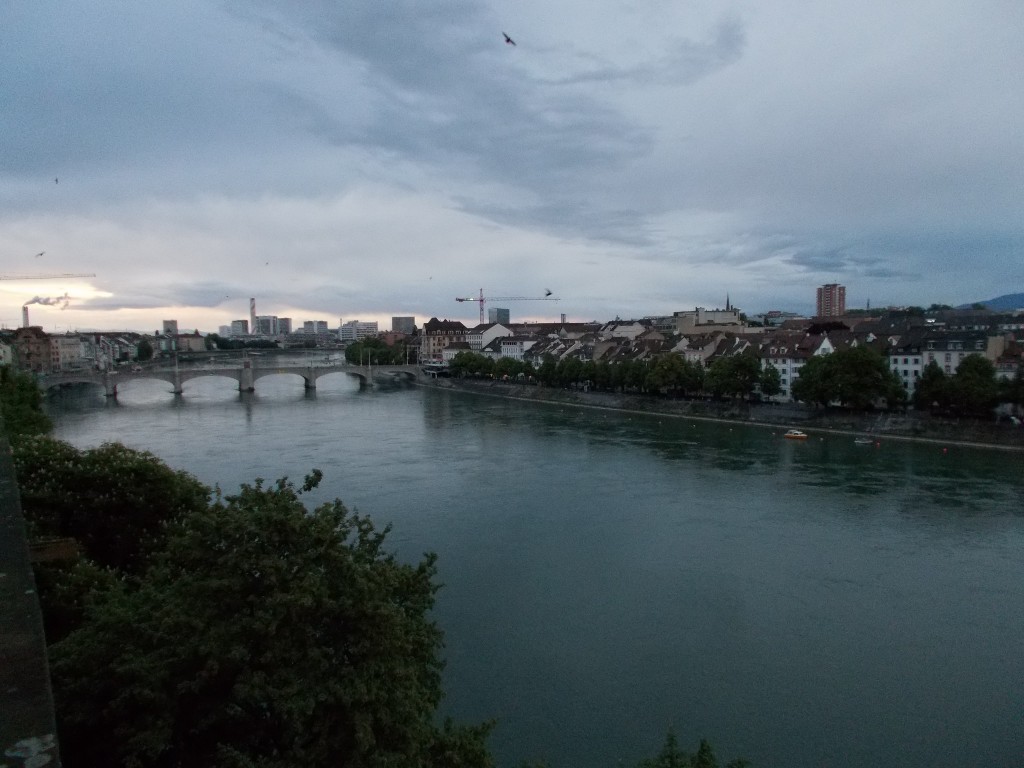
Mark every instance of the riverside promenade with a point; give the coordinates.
(27, 725)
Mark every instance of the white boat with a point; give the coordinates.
(795, 434)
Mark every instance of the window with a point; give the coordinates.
(904, 361)
(948, 358)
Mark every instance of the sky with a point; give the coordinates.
(362, 160)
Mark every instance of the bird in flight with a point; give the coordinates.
(508, 40)
(40, 254)
(547, 291)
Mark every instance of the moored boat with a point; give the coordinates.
(795, 434)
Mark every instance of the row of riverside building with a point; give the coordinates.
(908, 342)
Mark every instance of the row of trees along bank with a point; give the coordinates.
(191, 629)
(857, 377)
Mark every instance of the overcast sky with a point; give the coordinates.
(362, 160)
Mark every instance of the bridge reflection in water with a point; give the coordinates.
(245, 374)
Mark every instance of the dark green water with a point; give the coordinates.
(609, 576)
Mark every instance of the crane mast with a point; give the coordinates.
(481, 299)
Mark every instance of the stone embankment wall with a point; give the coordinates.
(897, 425)
(27, 726)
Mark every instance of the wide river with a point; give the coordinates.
(609, 576)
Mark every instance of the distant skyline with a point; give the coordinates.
(366, 161)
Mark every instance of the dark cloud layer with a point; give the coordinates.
(643, 158)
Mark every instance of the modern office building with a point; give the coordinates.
(498, 315)
(354, 330)
(267, 325)
(284, 325)
(239, 327)
(831, 300)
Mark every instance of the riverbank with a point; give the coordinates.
(897, 426)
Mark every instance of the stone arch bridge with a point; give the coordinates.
(245, 374)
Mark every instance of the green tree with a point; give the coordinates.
(770, 381)
(1012, 390)
(815, 385)
(547, 374)
(506, 366)
(932, 390)
(145, 348)
(666, 374)
(734, 375)
(268, 635)
(975, 389)
(861, 376)
(21, 405)
(113, 500)
(375, 352)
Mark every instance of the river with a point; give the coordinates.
(609, 576)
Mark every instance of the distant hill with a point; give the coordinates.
(1002, 303)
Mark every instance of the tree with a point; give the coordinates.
(375, 352)
(547, 374)
(932, 389)
(861, 376)
(974, 387)
(145, 348)
(113, 500)
(770, 381)
(734, 375)
(814, 385)
(1012, 390)
(267, 635)
(21, 405)
(671, 756)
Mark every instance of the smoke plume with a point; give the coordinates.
(58, 301)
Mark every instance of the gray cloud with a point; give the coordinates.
(344, 159)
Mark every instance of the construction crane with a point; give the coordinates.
(45, 277)
(481, 299)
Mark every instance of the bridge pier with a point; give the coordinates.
(177, 382)
(246, 382)
(109, 386)
(309, 378)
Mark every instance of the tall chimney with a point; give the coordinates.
(252, 315)
(24, 316)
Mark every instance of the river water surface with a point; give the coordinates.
(609, 576)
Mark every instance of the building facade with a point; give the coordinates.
(831, 300)
(406, 325)
(498, 315)
(354, 330)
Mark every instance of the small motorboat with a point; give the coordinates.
(863, 441)
(795, 434)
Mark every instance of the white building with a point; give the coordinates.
(482, 335)
(354, 330)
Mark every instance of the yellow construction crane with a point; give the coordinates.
(481, 299)
(46, 277)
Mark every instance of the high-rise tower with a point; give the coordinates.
(831, 300)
